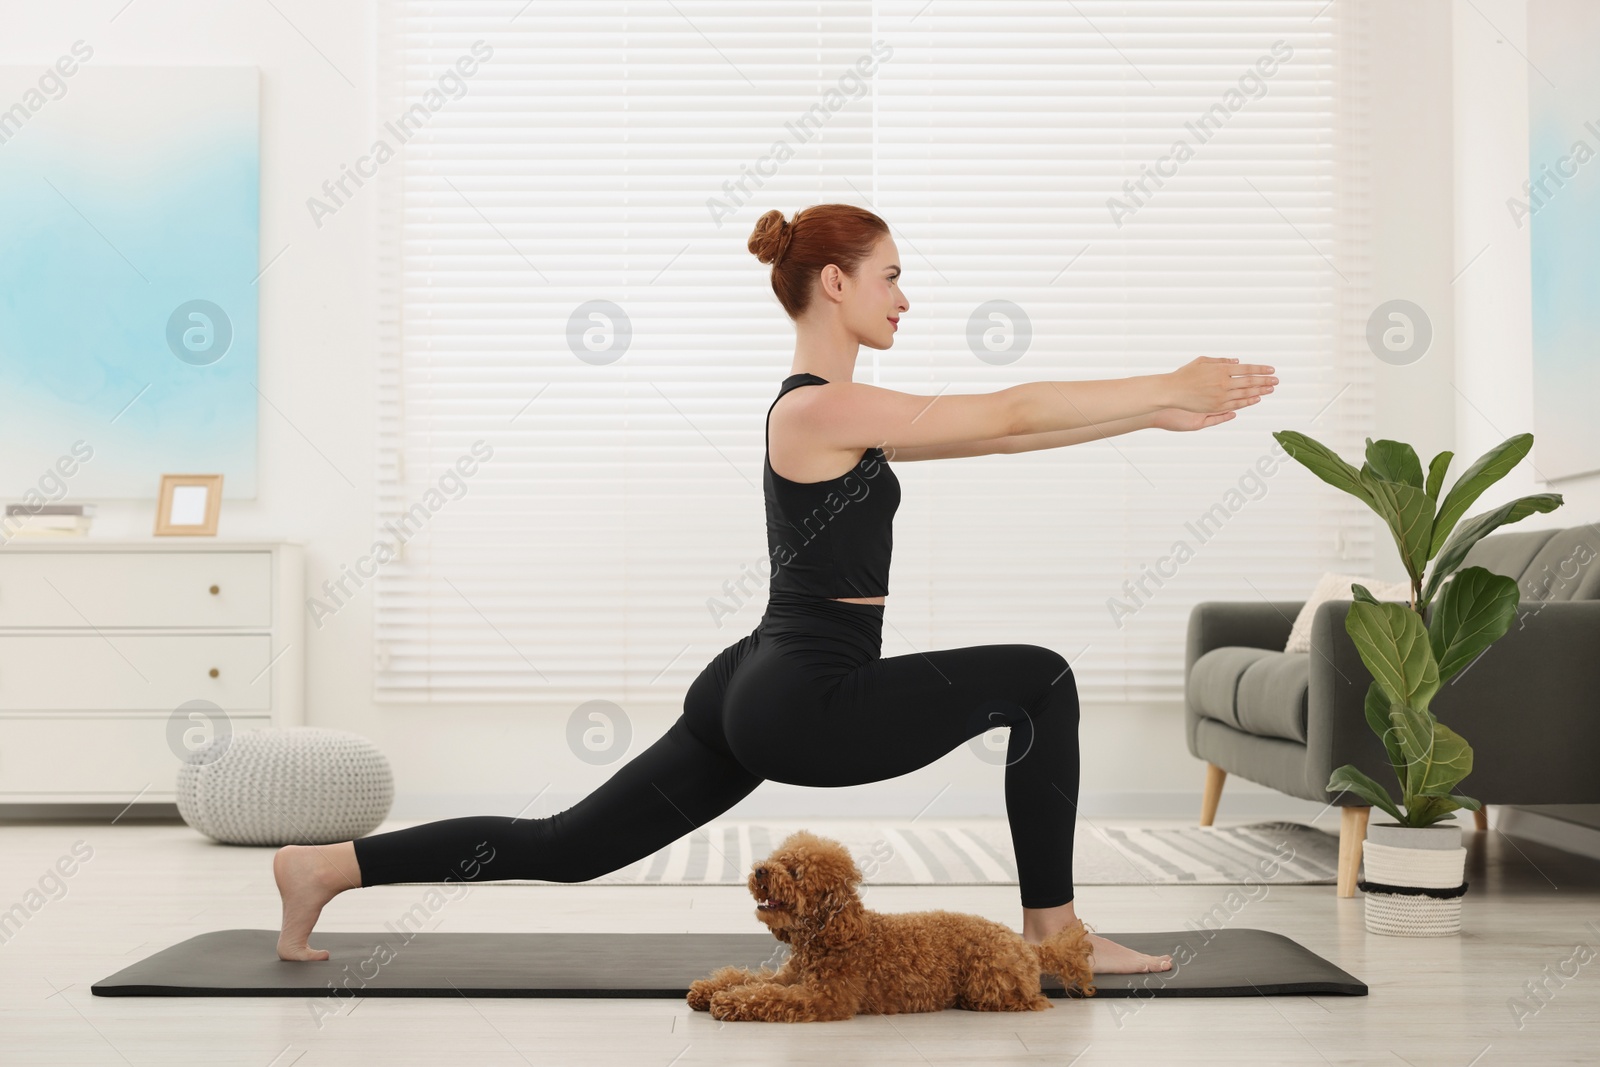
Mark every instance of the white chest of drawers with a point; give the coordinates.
(105, 643)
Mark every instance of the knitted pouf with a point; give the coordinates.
(300, 785)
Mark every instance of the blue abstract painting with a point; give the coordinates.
(1561, 205)
(129, 254)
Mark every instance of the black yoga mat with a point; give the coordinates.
(244, 963)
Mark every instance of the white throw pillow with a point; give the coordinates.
(1337, 587)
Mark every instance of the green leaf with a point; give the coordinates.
(1348, 778)
(1394, 646)
(1377, 708)
(1425, 811)
(1490, 468)
(1409, 513)
(1436, 470)
(1465, 802)
(1474, 611)
(1322, 461)
(1362, 594)
(1436, 756)
(1395, 461)
(1479, 526)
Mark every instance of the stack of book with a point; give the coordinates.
(47, 520)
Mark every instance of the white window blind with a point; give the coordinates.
(620, 153)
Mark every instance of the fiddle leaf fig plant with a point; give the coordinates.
(1408, 654)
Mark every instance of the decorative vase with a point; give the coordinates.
(1413, 879)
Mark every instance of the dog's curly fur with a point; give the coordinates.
(848, 960)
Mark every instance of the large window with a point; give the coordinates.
(578, 352)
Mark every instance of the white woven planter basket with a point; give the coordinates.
(1438, 863)
(1408, 915)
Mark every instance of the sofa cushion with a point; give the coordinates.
(1260, 691)
(1273, 692)
(1213, 684)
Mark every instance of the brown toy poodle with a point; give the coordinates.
(848, 960)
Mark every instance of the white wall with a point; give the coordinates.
(1494, 387)
(1494, 315)
(317, 370)
(1412, 249)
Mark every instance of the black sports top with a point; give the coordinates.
(830, 538)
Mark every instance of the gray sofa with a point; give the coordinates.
(1529, 705)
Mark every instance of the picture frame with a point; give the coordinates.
(188, 505)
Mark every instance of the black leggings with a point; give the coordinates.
(805, 699)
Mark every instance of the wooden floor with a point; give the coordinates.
(1532, 911)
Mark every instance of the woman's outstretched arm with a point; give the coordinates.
(1207, 385)
(849, 416)
(1020, 442)
(1165, 419)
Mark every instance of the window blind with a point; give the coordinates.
(577, 352)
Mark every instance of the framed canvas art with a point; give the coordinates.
(129, 217)
(1561, 205)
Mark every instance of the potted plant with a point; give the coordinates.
(1414, 867)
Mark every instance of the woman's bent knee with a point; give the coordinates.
(1059, 694)
(1045, 664)
(1055, 664)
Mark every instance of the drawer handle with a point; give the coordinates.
(215, 590)
(213, 672)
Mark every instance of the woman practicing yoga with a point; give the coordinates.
(805, 697)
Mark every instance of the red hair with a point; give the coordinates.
(841, 234)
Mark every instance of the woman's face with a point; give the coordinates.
(872, 299)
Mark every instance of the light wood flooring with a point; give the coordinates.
(1449, 1002)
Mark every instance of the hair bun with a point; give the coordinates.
(771, 236)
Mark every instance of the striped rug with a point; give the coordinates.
(978, 852)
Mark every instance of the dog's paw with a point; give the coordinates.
(727, 1006)
(774, 1004)
(703, 989)
(700, 993)
(750, 1003)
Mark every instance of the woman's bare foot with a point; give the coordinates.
(1106, 957)
(309, 876)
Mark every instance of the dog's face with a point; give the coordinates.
(807, 882)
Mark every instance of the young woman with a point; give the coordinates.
(805, 697)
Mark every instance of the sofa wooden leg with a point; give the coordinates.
(1480, 818)
(1215, 776)
(1352, 832)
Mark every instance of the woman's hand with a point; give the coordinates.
(1179, 419)
(1213, 384)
